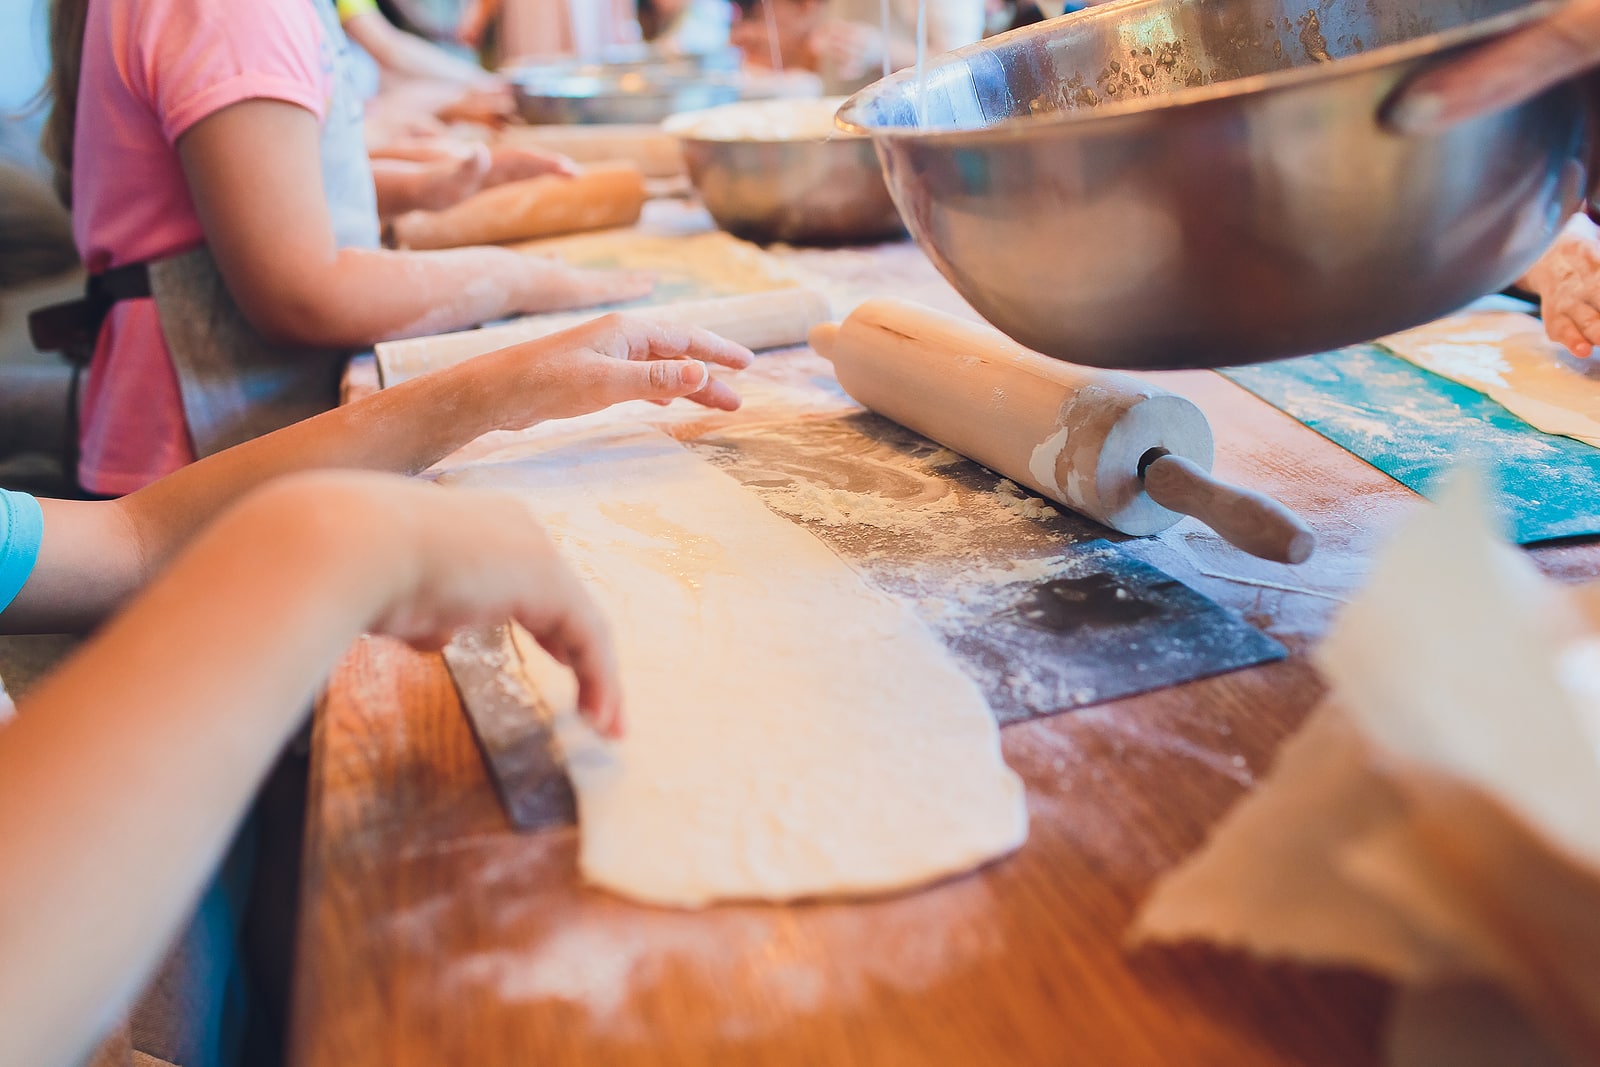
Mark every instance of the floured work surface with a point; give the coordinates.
(1044, 614)
(791, 732)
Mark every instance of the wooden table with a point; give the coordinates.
(433, 934)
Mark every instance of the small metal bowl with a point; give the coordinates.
(778, 170)
(622, 58)
(1197, 183)
(552, 96)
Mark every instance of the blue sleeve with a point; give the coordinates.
(21, 529)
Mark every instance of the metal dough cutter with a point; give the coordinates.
(512, 727)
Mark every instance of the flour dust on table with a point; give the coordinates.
(791, 732)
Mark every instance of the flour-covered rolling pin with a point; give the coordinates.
(1117, 449)
(600, 198)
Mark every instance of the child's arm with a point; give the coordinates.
(408, 56)
(94, 555)
(255, 175)
(125, 773)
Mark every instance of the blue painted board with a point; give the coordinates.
(1414, 426)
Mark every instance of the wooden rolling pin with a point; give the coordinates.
(597, 199)
(1117, 449)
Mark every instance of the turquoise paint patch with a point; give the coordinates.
(1414, 426)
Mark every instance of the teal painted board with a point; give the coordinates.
(1414, 426)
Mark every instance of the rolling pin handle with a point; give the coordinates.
(1248, 520)
(823, 339)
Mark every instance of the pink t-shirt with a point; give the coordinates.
(151, 70)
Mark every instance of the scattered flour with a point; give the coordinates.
(606, 962)
(1020, 502)
(841, 507)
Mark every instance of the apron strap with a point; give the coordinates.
(73, 328)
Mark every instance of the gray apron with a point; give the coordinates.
(236, 384)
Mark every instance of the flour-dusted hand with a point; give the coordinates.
(454, 558)
(1505, 72)
(427, 174)
(610, 360)
(1567, 280)
(513, 163)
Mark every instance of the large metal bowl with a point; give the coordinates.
(554, 95)
(1188, 183)
(778, 171)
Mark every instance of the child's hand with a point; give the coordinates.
(512, 163)
(1567, 279)
(609, 361)
(551, 285)
(428, 175)
(488, 105)
(479, 557)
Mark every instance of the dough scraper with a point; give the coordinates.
(512, 727)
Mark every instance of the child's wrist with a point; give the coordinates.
(330, 533)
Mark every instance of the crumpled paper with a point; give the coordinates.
(1437, 819)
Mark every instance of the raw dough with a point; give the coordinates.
(790, 732)
(1506, 356)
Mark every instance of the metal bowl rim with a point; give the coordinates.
(1020, 126)
(685, 118)
(610, 86)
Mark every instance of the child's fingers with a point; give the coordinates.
(582, 640)
(1563, 331)
(672, 340)
(1587, 320)
(718, 395)
(662, 379)
(513, 163)
(695, 343)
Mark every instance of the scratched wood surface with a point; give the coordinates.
(431, 933)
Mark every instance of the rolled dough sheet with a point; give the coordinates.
(1506, 356)
(791, 732)
(686, 266)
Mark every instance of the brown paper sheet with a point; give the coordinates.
(1435, 820)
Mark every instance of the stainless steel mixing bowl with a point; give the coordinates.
(1196, 183)
(554, 95)
(765, 182)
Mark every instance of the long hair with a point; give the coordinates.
(67, 19)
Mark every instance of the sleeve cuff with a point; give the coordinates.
(224, 94)
(21, 531)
